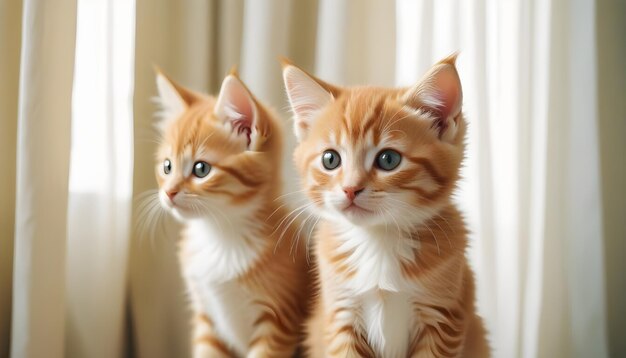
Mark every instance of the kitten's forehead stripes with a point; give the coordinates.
(373, 118)
(185, 134)
(362, 118)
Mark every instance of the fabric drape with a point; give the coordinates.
(42, 171)
(611, 51)
(100, 181)
(10, 36)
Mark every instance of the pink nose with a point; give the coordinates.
(352, 191)
(171, 194)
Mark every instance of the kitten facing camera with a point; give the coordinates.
(380, 166)
(216, 166)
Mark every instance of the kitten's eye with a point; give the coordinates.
(201, 169)
(167, 166)
(388, 159)
(331, 159)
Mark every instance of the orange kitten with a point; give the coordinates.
(381, 165)
(218, 168)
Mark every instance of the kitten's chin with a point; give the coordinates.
(181, 214)
(355, 215)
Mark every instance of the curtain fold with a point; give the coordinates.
(583, 234)
(43, 153)
(100, 181)
(10, 29)
(356, 42)
(610, 22)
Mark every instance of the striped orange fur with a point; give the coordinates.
(218, 168)
(394, 280)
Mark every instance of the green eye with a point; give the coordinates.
(331, 159)
(388, 159)
(201, 169)
(167, 166)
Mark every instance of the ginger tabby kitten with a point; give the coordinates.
(381, 165)
(218, 169)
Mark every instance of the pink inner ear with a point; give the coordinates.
(447, 91)
(444, 111)
(242, 112)
(243, 126)
(442, 96)
(237, 107)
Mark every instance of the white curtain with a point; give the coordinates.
(85, 283)
(73, 178)
(43, 147)
(100, 182)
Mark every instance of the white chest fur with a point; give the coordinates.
(219, 254)
(375, 256)
(388, 321)
(378, 288)
(216, 257)
(232, 311)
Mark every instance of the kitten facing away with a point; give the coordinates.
(217, 167)
(381, 164)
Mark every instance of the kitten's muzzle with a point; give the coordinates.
(352, 191)
(172, 194)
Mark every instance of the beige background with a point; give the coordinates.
(10, 28)
(611, 27)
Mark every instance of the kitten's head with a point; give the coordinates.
(215, 154)
(372, 156)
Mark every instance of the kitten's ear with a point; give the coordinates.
(307, 96)
(440, 94)
(173, 98)
(237, 109)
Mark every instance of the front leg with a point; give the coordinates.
(205, 342)
(442, 334)
(274, 336)
(342, 337)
